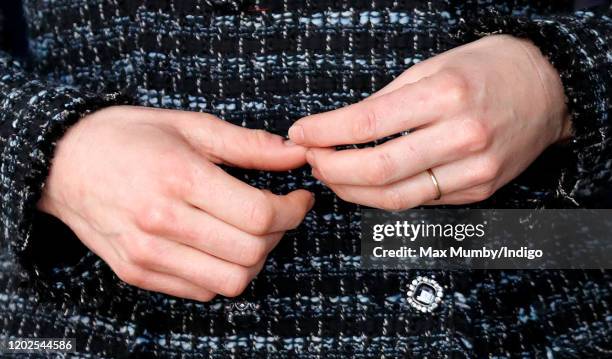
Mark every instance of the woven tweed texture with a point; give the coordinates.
(264, 64)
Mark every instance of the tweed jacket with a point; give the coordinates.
(264, 64)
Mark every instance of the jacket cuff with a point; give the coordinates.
(578, 51)
(35, 115)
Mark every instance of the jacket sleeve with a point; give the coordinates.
(34, 114)
(579, 45)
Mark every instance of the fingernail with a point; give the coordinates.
(296, 133)
(289, 143)
(316, 174)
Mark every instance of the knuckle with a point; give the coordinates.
(155, 217)
(475, 134)
(252, 251)
(488, 170)
(260, 138)
(260, 215)
(483, 192)
(236, 282)
(364, 127)
(393, 201)
(455, 86)
(206, 297)
(383, 169)
(141, 251)
(132, 276)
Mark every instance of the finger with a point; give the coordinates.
(420, 189)
(226, 143)
(410, 106)
(403, 157)
(166, 284)
(457, 198)
(468, 196)
(194, 266)
(195, 228)
(145, 279)
(245, 207)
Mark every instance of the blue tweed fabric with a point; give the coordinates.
(264, 64)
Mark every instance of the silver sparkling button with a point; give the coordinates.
(242, 310)
(424, 294)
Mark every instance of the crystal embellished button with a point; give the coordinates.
(242, 310)
(424, 294)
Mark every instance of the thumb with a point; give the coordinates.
(246, 148)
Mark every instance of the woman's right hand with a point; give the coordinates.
(141, 188)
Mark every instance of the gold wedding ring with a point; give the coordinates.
(436, 184)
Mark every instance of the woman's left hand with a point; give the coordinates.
(478, 115)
